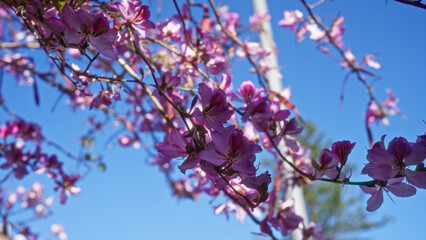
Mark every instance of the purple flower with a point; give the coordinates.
(291, 18)
(232, 151)
(84, 27)
(103, 99)
(260, 114)
(395, 186)
(136, 15)
(290, 132)
(215, 110)
(342, 149)
(67, 186)
(385, 164)
(176, 146)
(249, 92)
(327, 164)
(259, 183)
(216, 64)
(170, 29)
(287, 219)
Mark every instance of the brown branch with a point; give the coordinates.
(414, 3)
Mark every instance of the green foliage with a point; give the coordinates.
(59, 4)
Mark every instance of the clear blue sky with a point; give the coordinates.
(131, 199)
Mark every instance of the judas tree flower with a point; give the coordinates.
(327, 164)
(395, 186)
(385, 164)
(216, 64)
(183, 188)
(337, 30)
(253, 48)
(257, 19)
(168, 82)
(301, 32)
(231, 20)
(249, 132)
(230, 207)
(58, 230)
(349, 59)
(17, 160)
(342, 149)
(170, 29)
(226, 84)
(388, 107)
(103, 99)
(232, 151)
(136, 15)
(67, 186)
(370, 61)
(291, 18)
(289, 132)
(316, 33)
(125, 140)
(84, 27)
(215, 110)
(260, 184)
(176, 146)
(49, 165)
(21, 130)
(314, 231)
(286, 219)
(259, 113)
(249, 92)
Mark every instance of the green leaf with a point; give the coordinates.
(59, 4)
(102, 167)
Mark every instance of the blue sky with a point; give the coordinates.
(131, 199)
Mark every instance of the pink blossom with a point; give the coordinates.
(103, 99)
(348, 60)
(249, 92)
(217, 64)
(316, 33)
(291, 18)
(257, 19)
(388, 107)
(370, 61)
(125, 140)
(215, 110)
(342, 149)
(286, 219)
(253, 48)
(170, 29)
(337, 30)
(136, 15)
(231, 149)
(21, 130)
(260, 184)
(395, 186)
(67, 186)
(177, 146)
(385, 164)
(327, 164)
(260, 114)
(84, 27)
(289, 132)
(314, 231)
(58, 230)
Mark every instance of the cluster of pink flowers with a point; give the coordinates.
(18, 161)
(188, 106)
(13, 203)
(390, 167)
